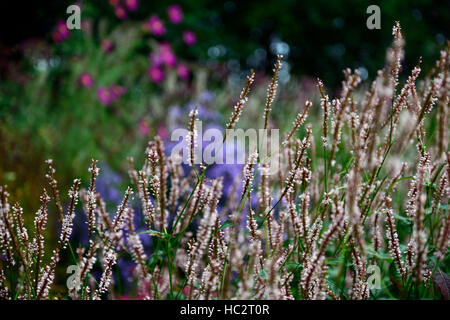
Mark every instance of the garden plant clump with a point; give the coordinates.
(357, 210)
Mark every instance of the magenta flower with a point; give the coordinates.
(62, 28)
(61, 32)
(175, 14)
(156, 74)
(143, 127)
(167, 55)
(104, 96)
(156, 26)
(132, 5)
(183, 71)
(86, 80)
(189, 37)
(107, 45)
(120, 12)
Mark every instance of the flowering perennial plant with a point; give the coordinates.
(339, 205)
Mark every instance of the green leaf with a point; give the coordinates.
(380, 254)
(226, 224)
(178, 295)
(263, 274)
(293, 266)
(154, 233)
(402, 219)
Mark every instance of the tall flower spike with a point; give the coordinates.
(305, 144)
(325, 104)
(242, 100)
(162, 181)
(392, 236)
(272, 90)
(301, 116)
(67, 223)
(397, 51)
(192, 136)
(340, 106)
(6, 236)
(54, 185)
(105, 281)
(148, 208)
(22, 233)
(248, 174)
(92, 203)
(40, 222)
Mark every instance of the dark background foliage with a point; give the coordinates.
(322, 36)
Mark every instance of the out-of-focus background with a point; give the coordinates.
(136, 69)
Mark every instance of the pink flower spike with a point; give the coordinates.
(86, 80)
(183, 71)
(132, 5)
(156, 26)
(156, 74)
(189, 37)
(120, 12)
(175, 14)
(104, 96)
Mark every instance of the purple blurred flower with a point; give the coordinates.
(156, 74)
(156, 26)
(155, 59)
(229, 172)
(108, 184)
(183, 71)
(174, 117)
(132, 5)
(86, 80)
(206, 97)
(207, 114)
(104, 96)
(175, 14)
(120, 12)
(189, 37)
